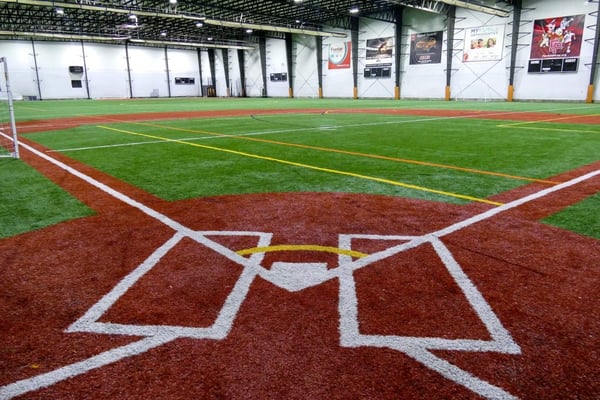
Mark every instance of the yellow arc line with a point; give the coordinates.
(313, 167)
(354, 153)
(298, 247)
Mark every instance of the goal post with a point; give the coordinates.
(9, 146)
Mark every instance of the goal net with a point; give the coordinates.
(8, 130)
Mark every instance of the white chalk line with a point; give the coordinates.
(26, 385)
(303, 129)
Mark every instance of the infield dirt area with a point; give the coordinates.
(300, 295)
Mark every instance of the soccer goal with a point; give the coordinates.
(8, 130)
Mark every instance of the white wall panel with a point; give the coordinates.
(221, 84)
(479, 79)
(424, 81)
(254, 81)
(336, 82)
(184, 64)
(148, 71)
(107, 63)
(235, 81)
(19, 58)
(374, 87)
(54, 59)
(555, 86)
(306, 78)
(276, 63)
(106, 74)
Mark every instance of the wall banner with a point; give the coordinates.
(340, 55)
(426, 48)
(484, 43)
(556, 44)
(378, 57)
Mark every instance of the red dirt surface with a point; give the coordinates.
(71, 122)
(541, 283)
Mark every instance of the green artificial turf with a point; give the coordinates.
(583, 217)
(29, 201)
(326, 151)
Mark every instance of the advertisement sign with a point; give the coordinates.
(380, 49)
(484, 43)
(556, 44)
(426, 48)
(340, 55)
(558, 37)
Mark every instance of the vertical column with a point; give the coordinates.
(354, 38)
(594, 67)
(242, 64)
(37, 71)
(518, 6)
(262, 47)
(289, 60)
(168, 72)
(128, 71)
(450, 50)
(319, 42)
(85, 71)
(212, 90)
(398, 14)
(199, 54)
(225, 53)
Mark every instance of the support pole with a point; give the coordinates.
(354, 46)
(518, 6)
(590, 92)
(398, 15)
(319, 41)
(450, 51)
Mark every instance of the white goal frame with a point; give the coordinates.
(11, 135)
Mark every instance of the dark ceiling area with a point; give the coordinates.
(202, 23)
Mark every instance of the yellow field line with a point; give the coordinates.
(547, 120)
(297, 247)
(354, 153)
(307, 166)
(539, 128)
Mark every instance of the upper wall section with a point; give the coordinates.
(432, 56)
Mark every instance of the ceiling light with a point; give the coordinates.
(59, 11)
(249, 30)
(199, 24)
(273, 28)
(192, 44)
(163, 34)
(173, 2)
(354, 10)
(477, 7)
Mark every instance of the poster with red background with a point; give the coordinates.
(557, 37)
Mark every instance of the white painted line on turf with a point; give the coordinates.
(417, 348)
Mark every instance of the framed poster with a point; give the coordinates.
(556, 44)
(340, 55)
(484, 43)
(426, 48)
(380, 49)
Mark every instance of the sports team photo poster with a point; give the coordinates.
(556, 44)
(426, 48)
(340, 55)
(484, 43)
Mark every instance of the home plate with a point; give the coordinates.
(297, 276)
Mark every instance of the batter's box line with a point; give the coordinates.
(416, 348)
